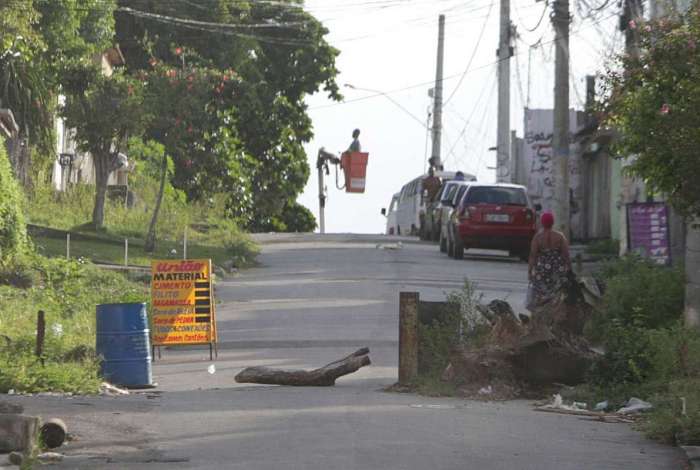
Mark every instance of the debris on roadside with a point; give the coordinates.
(16, 458)
(581, 409)
(558, 404)
(110, 390)
(390, 246)
(49, 457)
(601, 406)
(524, 357)
(635, 405)
(54, 433)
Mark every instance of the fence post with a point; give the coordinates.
(40, 335)
(408, 337)
(68, 245)
(184, 244)
(126, 252)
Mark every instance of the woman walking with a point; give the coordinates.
(549, 263)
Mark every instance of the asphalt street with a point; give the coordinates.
(312, 300)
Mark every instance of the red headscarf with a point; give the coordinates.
(547, 220)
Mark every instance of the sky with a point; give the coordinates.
(390, 47)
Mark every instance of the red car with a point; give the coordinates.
(494, 216)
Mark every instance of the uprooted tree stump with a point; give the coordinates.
(547, 349)
(322, 377)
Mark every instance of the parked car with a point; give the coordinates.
(391, 226)
(431, 221)
(453, 194)
(496, 216)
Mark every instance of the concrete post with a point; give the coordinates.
(503, 126)
(408, 337)
(560, 137)
(437, 109)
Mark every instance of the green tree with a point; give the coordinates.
(298, 218)
(105, 112)
(652, 100)
(258, 126)
(13, 234)
(40, 41)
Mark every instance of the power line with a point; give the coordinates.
(471, 59)
(539, 22)
(449, 77)
(471, 116)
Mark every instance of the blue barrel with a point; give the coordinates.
(123, 344)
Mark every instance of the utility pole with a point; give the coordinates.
(435, 157)
(560, 137)
(322, 161)
(631, 14)
(504, 53)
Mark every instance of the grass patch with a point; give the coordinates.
(67, 291)
(110, 250)
(431, 386)
(210, 233)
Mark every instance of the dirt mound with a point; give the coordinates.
(520, 358)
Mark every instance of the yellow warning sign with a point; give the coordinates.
(182, 302)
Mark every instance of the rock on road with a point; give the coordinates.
(312, 300)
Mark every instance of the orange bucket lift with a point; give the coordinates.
(354, 165)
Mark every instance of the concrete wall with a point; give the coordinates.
(538, 169)
(82, 170)
(596, 189)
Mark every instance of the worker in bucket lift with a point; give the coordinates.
(355, 144)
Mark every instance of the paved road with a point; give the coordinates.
(311, 301)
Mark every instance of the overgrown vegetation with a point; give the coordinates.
(67, 291)
(210, 233)
(13, 235)
(458, 324)
(607, 248)
(648, 352)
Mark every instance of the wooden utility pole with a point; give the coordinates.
(408, 337)
(560, 137)
(436, 157)
(503, 131)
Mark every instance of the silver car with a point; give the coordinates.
(452, 192)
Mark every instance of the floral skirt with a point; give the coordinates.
(548, 278)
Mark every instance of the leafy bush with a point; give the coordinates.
(298, 218)
(459, 323)
(13, 234)
(648, 351)
(606, 248)
(638, 293)
(642, 301)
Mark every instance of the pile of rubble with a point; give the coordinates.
(524, 354)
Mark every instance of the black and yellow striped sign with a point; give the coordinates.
(182, 302)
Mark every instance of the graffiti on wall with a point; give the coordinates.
(539, 164)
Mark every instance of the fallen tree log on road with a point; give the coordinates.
(322, 377)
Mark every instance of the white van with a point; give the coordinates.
(391, 227)
(411, 204)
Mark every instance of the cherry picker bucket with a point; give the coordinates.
(354, 165)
